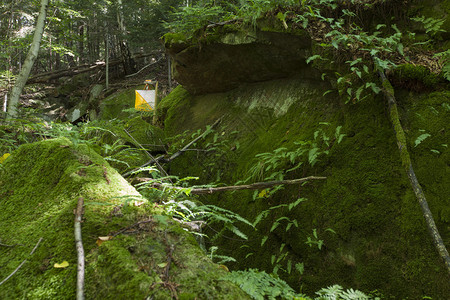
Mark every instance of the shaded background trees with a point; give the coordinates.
(77, 32)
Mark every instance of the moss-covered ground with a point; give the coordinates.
(380, 243)
(40, 185)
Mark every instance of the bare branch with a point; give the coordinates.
(161, 159)
(253, 186)
(22, 263)
(80, 249)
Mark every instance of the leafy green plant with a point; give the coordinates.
(188, 19)
(279, 260)
(175, 199)
(277, 164)
(432, 26)
(444, 58)
(337, 292)
(421, 138)
(219, 259)
(259, 285)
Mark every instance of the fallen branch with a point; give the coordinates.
(80, 249)
(9, 246)
(162, 160)
(160, 168)
(151, 64)
(185, 148)
(45, 77)
(22, 263)
(213, 24)
(253, 186)
(388, 91)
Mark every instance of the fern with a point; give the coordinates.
(444, 58)
(259, 285)
(337, 292)
(421, 138)
(432, 26)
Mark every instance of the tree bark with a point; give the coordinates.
(388, 91)
(29, 61)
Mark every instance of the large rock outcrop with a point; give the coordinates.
(381, 240)
(228, 59)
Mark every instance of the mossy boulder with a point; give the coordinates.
(416, 78)
(221, 62)
(112, 107)
(381, 240)
(40, 185)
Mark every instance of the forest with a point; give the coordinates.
(210, 149)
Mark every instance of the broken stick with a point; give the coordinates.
(162, 160)
(80, 249)
(21, 264)
(253, 186)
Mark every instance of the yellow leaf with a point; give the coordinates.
(224, 267)
(263, 194)
(102, 239)
(4, 157)
(64, 264)
(162, 265)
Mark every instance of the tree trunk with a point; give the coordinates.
(29, 61)
(107, 61)
(129, 65)
(80, 44)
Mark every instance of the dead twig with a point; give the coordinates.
(160, 168)
(22, 263)
(9, 246)
(185, 148)
(151, 64)
(131, 226)
(253, 186)
(162, 160)
(80, 250)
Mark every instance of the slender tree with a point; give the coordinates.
(29, 61)
(128, 62)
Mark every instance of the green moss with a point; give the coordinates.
(429, 113)
(170, 107)
(419, 73)
(112, 107)
(366, 199)
(40, 185)
(143, 133)
(400, 136)
(176, 42)
(170, 38)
